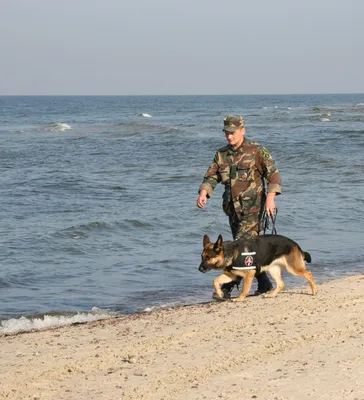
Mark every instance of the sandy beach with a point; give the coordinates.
(292, 347)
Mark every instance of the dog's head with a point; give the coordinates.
(212, 255)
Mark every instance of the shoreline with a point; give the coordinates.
(294, 346)
(82, 316)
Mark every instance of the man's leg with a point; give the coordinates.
(264, 283)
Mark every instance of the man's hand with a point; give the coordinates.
(202, 199)
(270, 205)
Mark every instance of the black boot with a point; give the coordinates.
(264, 284)
(227, 288)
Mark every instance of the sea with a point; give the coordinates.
(98, 197)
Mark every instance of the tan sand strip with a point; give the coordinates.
(292, 347)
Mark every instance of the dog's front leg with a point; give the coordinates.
(220, 280)
(248, 281)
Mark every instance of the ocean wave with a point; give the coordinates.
(134, 128)
(4, 283)
(80, 231)
(58, 127)
(137, 223)
(339, 108)
(118, 188)
(11, 131)
(282, 108)
(176, 178)
(26, 324)
(351, 132)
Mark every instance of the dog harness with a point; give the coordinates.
(247, 260)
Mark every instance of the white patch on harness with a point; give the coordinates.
(248, 261)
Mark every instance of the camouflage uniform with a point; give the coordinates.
(243, 172)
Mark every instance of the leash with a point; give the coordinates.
(265, 222)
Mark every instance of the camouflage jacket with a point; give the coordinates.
(244, 172)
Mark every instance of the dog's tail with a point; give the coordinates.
(307, 256)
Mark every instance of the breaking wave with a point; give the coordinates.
(26, 324)
(58, 127)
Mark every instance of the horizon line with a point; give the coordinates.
(180, 95)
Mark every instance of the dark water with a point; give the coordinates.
(98, 201)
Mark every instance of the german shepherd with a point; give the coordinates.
(245, 258)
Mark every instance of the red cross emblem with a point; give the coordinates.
(248, 261)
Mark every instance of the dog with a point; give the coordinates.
(245, 258)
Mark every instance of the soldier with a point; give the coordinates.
(244, 167)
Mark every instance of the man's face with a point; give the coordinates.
(236, 138)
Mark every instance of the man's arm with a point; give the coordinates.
(210, 180)
(271, 174)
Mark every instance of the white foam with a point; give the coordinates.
(145, 115)
(160, 306)
(24, 324)
(59, 127)
(324, 119)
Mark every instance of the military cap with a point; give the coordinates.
(233, 122)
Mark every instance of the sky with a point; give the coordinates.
(181, 47)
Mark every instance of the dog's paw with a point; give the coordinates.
(269, 294)
(238, 299)
(216, 297)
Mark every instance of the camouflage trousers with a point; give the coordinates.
(247, 227)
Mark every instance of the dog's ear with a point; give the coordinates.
(218, 245)
(206, 241)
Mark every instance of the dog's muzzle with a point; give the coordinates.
(202, 268)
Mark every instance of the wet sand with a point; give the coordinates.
(295, 346)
